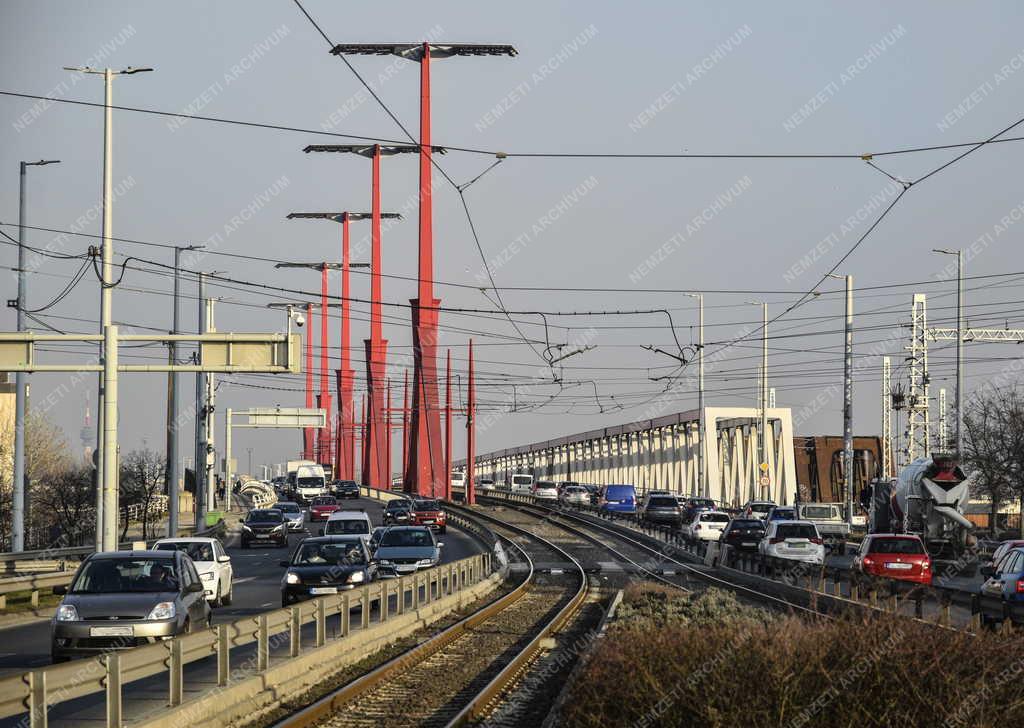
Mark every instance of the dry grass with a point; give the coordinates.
(673, 660)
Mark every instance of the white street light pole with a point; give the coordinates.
(958, 434)
(848, 400)
(702, 489)
(762, 439)
(106, 505)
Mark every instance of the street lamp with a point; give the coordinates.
(848, 399)
(700, 392)
(425, 463)
(18, 492)
(345, 461)
(376, 469)
(762, 438)
(300, 320)
(959, 343)
(106, 493)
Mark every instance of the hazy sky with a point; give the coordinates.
(745, 78)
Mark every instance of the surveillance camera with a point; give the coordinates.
(299, 319)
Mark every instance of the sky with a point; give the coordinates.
(774, 86)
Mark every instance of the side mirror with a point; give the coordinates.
(440, 544)
(225, 559)
(60, 589)
(195, 586)
(985, 571)
(282, 563)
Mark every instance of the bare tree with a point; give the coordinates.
(994, 444)
(142, 479)
(68, 499)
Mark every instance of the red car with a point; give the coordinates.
(426, 512)
(895, 556)
(322, 507)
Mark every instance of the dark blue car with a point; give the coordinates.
(618, 499)
(1005, 580)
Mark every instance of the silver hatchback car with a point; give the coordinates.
(122, 599)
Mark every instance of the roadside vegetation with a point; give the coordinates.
(670, 659)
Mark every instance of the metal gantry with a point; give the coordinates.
(918, 440)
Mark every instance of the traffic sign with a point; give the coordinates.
(765, 480)
(764, 467)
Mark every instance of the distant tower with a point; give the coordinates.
(88, 432)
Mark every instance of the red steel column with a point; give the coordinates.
(470, 432)
(387, 431)
(374, 457)
(448, 427)
(363, 426)
(324, 445)
(405, 426)
(307, 433)
(423, 473)
(346, 439)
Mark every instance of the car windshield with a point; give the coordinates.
(783, 514)
(702, 503)
(714, 517)
(797, 530)
(115, 576)
(575, 489)
(522, 479)
(338, 554)
(288, 507)
(275, 515)
(663, 502)
(310, 481)
(349, 525)
(348, 484)
(398, 505)
(428, 505)
(196, 550)
(544, 484)
(761, 507)
(325, 501)
(412, 538)
(747, 524)
(896, 546)
(819, 512)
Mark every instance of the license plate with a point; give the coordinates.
(897, 566)
(323, 590)
(263, 538)
(796, 545)
(428, 520)
(749, 543)
(120, 631)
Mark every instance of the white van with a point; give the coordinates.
(348, 523)
(522, 484)
(458, 480)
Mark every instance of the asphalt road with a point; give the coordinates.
(257, 588)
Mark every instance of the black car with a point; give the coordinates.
(265, 526)
(398, 512)
(326, 565)
(743, 534)
(345, 489)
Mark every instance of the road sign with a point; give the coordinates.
(763, 467)
(765, 480)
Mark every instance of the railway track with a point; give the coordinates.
(459, 673)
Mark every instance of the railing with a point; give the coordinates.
(34, 692)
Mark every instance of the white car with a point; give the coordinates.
(706, 526)
(793, 540)
(355, 523)
(522, 484)
(575, 495)
(758, 509)
(211, 561)
(458, 480)
(545, 490)
(293, 514)
(485, 483)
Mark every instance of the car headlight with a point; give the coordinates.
(384, 562)
(292, 578)
(206, 576)
(426, 562)
(275, 529)
(356, 577)
(163, 610)
(67, 613)
(246, 528)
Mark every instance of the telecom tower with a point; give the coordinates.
(88, 432)
(918, 440)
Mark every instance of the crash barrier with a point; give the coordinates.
(36, 574)
(37, 691)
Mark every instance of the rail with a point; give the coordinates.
(35, 692)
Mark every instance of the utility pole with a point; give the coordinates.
(173, 406)
(701, 488)
(107, 261)
(848, 402)
(199, 467)
(470, 431)
(210, 470)
(19, 492)
(447, 426)
(958, 425)
(887, 448)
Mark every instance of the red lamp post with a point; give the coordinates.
(448, 427)
(423, 469)
(470, 431)
(345, 463)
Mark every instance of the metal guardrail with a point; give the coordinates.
(34, 692)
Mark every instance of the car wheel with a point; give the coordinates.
(186, 628)
(226, 599)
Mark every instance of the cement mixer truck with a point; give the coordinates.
(927, 499)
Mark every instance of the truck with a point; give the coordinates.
(291, 468)
(927, 499)
(829, 520)
(310, 482)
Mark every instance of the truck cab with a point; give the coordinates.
(310, 483)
